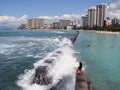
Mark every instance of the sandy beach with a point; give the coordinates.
(102, 32)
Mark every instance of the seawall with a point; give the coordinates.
(41, 78)
(82, 82)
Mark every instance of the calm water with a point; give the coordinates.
(21, 50)
(102, 59)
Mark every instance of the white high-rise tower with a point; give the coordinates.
(92, 17)
(100, 14)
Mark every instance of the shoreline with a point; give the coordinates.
(102, 32)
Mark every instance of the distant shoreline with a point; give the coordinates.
(102, 32)
(96, 31)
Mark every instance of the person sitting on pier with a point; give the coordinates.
(79, 68)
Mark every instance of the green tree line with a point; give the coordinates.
(113, 28)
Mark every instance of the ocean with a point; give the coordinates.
(101, 54)
(21, 51)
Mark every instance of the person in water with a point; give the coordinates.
(79, 68)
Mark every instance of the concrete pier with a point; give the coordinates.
(73, 39)
(41, 72)
(82, 82)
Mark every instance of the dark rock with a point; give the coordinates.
(41, 77)
(41, 73)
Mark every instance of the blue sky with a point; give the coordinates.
(14, 12)
(35, 8)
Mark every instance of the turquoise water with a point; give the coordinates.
(20, 49)
(102, 58)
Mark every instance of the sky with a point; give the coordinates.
(14, 12)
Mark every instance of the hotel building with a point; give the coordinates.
(85, 21)
(115, 21)
(55, 25)
(100, 14)
(35, 23)
(64, 23)
(92, 17)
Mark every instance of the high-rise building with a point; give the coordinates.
(76, 22)
(100, 14)
(115, 21)
(64, 23)
(55, 25)
(35, 23)
(92, 17)
(85, 21)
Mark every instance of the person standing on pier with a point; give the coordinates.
(79, 68)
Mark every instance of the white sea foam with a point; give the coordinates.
(64, 66)
(6, 48)
(58, 32)
(25, 45)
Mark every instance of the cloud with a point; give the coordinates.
(12, 20)
(71, 16)
(64, 16)
(49, 17)
(114, 9)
